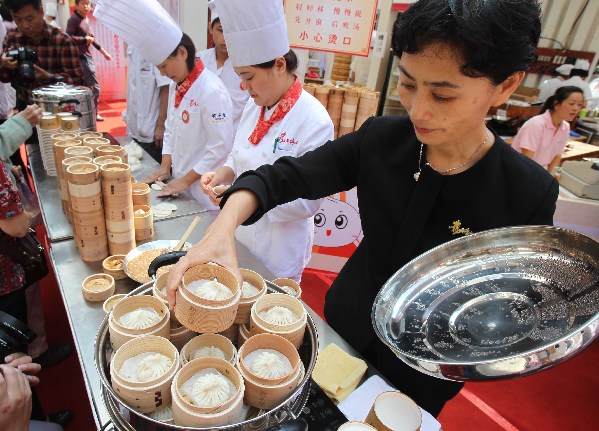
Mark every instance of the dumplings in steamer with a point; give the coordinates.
(211, 390)
(153, 367)
(268, 365)
(209, 351)
(212, 290)
(279, 315)
(141, 318)
(248, 290)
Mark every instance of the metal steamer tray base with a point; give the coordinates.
(124, 418)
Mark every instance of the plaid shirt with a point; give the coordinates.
(57, 55)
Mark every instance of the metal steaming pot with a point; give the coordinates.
(62, 97)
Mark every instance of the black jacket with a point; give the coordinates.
(401, 218)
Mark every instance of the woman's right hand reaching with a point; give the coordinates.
(160, 174)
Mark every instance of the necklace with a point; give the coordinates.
(417, 174)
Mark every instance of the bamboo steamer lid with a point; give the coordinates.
(205, 315)
(78, 150)
(291, 287)
(119, 334)
(245, 303)
(63, 136)
(49, 122)
(272, 342)
(113, 265)
(88, 134)
(83, 174)
(116, 172)
(209, 340)
(294, 332)
(97, 287)
(103, 160)
(95, 142)
(157, 287)
(112, 150)
(187, 414)
(145, 397)
(70, 123)
(111, 302)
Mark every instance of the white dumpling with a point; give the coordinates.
(288, 290)
(248, 290)
(140, 319)
(279, 315)
(213, 290)
(208, 351)
(210, 390)
(268, 366)
(153, 367)
(162, 415)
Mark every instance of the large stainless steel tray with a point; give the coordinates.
(496, 304)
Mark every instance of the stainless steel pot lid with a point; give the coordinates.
(495, 304)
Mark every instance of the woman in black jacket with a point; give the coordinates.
(423, 179)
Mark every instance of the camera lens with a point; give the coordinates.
(14, 335)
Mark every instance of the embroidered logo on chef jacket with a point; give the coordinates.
(457, 229)
(219, 116)
(185, 116)
(284, 143)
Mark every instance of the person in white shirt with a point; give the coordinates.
(50, 11)
(548, 87)
(147, 103)
(578, 79)
(281, 120)
(217, 60)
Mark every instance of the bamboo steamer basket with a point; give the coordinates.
(88, 134)
(92, 249)
(145, 397)
(322, 95)
(59, 156)
(121, 242)
(180, 335)
(268, 393)
(116, 182)
(294, 332)
(119, 334)
(103, 160)
(95, 142)
(244, 334)
(310, 88)
(245, 303)
(84, 191)
(356, 426)
(157, 287)
(231, 333)
(78, 150)
(111, 302)
(90, 231)
(349, 111)
(334, 107)
(141, 194)
(188, 414)
(205, 315)
(113, 265)
(49, 122)
(366, 107)
(97, 287)
(69, 124)
(112, 150)
(144, 223)
(209, 340)
(291, 287)
(73, 160)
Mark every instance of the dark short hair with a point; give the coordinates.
(187, 43)
(291, 62)
(214, 22)
(559, 96)
(5, 13)
(17, 5)
(495, 38)
(579, 72)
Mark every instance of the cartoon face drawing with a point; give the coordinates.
(336, 224)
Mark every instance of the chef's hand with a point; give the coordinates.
(26, 365)
(9, 62)
(33, 114)
(207, 183)
(160, 174)
(218, 246)
(15, 399)
(175, 187)
(159, 135)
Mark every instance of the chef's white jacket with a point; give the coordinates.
(199, 133)
(143, 96)
(232, 81)
(282, 239)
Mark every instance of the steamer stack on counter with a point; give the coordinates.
(348, 107)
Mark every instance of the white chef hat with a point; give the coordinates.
(255, 34)
(564, 69)
(213, 11)
(582, 64)
(143, 24)
(50, 9)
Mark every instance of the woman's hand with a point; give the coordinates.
(15, 399)
(26, 365)
(212, 187)
(33, 114)
(159, 175)
(176, 186)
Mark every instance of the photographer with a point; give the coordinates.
(35, 53)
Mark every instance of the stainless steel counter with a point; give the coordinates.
(57, 225)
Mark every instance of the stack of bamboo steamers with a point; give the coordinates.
(211, 368)
(348, 107)
(95, 186)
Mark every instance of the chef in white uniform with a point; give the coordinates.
(217, 60)
(199, 130)
(147, 100)
(548, 87)
(281, 120)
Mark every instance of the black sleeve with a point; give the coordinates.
(329, 169)
(544, 212)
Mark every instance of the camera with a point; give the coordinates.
(26, 58)
(14, 335)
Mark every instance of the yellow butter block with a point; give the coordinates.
(337, 372)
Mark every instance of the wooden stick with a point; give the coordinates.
(193, 224)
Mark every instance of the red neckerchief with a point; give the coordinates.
(281, 110)
(191, 78)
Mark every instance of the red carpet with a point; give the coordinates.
(563, 398)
